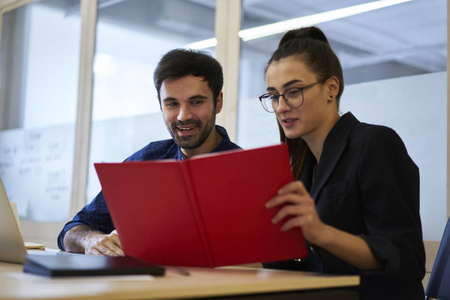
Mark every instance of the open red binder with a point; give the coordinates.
(205, 211)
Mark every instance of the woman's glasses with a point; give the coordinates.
(293, 97)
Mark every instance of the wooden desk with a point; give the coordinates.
(222, 283)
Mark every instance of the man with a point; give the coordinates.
(189, 85)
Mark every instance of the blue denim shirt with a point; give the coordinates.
(96, 214)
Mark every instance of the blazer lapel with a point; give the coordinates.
(333, 147)
(308, 169)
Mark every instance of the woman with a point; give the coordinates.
(357, 195)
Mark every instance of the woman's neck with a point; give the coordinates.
(315, 142)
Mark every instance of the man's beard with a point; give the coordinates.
(195, 140)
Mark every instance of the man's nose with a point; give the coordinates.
(184, 113)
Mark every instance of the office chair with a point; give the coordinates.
(439, 283)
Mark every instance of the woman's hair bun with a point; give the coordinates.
(303, 33)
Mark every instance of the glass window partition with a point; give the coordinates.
(38, 92)
(132, 36)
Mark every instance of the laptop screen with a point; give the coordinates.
(12, 248)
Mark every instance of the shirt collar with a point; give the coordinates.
(225, 141)
(180, 155)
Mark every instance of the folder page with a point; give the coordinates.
(232, 189)
(190, 187)
(150, 209)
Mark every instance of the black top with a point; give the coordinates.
(366, 184)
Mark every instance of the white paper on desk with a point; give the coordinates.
(33, 277)
(34, 246)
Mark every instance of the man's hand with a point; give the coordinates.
(96, 243)
(83, 239)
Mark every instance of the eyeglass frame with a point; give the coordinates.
(301, 89)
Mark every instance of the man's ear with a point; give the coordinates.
(219, 103)
(333, 87)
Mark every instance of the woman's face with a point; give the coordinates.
(308, 120)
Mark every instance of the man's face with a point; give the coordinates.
(189, 113)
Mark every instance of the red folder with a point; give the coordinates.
(205, 211)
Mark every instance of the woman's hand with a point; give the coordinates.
(299, 210)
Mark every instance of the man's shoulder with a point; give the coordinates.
(226, 143)
(156, 150)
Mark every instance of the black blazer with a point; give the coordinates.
(366, 184)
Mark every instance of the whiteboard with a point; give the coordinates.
(36, 168)
(36, 165)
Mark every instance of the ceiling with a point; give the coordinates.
(400, 40)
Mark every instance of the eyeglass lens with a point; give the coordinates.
(293, 98)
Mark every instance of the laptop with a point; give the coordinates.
(12, 247)
(14, 250)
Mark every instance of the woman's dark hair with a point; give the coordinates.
(311, 46)
(179, 63)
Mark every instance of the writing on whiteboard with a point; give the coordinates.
(36, 168)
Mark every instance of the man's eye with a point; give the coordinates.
(171, 104)
(196, 102)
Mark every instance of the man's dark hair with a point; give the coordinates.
(179, 63)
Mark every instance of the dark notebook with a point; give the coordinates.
(87, 265)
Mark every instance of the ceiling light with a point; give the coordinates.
(283, 26)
